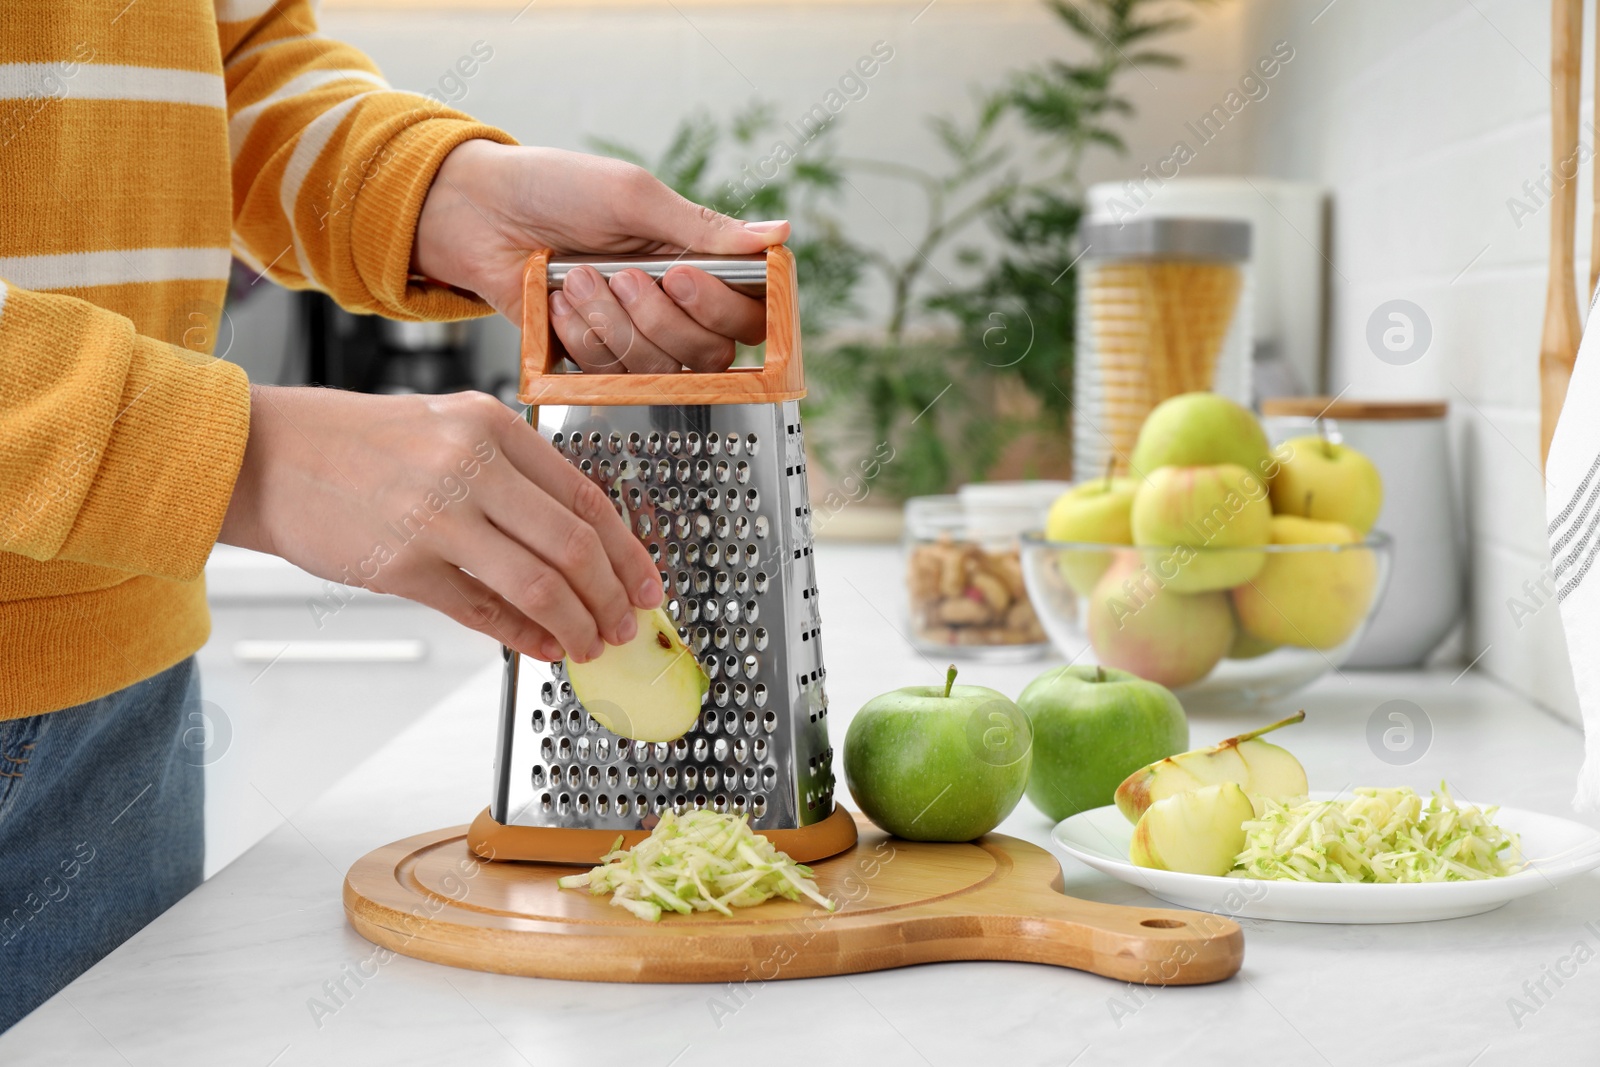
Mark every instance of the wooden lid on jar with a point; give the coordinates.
(1327, 407)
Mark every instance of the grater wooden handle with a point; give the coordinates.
(780, 376)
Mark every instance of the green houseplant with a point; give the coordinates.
(952, 375)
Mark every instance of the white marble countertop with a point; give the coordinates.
(232, 974)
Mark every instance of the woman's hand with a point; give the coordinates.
(491, 205)
(452, 501)
(455, 502)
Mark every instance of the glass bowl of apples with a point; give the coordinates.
(1225, 568)
(1219, 626)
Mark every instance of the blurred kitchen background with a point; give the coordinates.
(1396, 152)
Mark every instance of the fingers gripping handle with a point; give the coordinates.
(742, 274)
(780, 376)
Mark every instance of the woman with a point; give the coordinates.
(142, 146)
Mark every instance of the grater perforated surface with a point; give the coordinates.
(718, 496)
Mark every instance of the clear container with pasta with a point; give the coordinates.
(1163, 309)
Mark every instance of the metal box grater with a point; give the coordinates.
(709, 471)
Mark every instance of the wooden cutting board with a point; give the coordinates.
(900, 902)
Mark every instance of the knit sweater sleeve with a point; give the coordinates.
(331, 165)
(115, 449)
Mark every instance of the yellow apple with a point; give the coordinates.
(1322, 480)
(1207, 510)
(1136, 624)
(1259, 767)
(1310, 598)
(1094, 511)
(1199, 832)
(1198, 430)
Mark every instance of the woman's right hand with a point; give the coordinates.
(452, 501)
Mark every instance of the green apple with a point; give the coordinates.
(1096, 511)
(938, 763)
(1136, 624)
(649, 689)
(1206, 509)
(1199, 430)
(1259, 767)
(1199, 832)
(1309, 598)
(1319, 479)
(1092, 726)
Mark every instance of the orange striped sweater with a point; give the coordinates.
(142, 145)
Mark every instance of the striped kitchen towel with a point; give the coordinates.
(1572, 505)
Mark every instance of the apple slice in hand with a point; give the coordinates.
(1198, 832)
(1261, 768)
(649, 689)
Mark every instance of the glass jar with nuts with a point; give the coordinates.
(965, 593)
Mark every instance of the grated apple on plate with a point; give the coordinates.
(1378, 835)
(698, 861)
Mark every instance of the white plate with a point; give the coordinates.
(1559, 848)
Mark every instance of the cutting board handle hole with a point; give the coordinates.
(1162, 924)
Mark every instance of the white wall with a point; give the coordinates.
(1425, 117)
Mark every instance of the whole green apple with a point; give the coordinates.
(1092, 727)
(932, 763)
(1199, 430)
(1310, 599)
(1207, 509)
(1319, 479)
(1096, 511)
(1137, 624)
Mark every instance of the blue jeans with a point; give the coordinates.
(101, 829)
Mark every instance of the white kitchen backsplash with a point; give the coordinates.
(1430, 122)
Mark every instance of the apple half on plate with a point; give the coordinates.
(649, 689)
(1198, 832)
(1260, 768)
